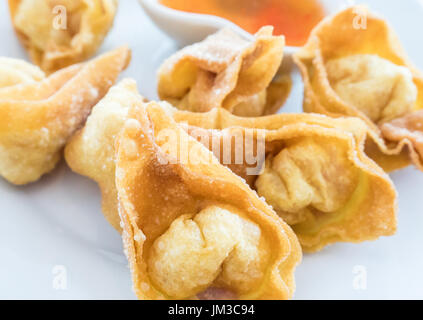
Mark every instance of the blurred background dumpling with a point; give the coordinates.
(58, 33)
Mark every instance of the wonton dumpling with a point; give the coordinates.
(226, 71)
(37, 119)
(358, 70)
(56, 38)
(193, 228)
(311, 172)
(14, 71)
(91, 151)
(380, 89)
(315, 174)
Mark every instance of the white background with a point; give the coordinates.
(58, 221)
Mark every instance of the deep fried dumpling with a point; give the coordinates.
(14, 71)
(219, 237)
(226, 71)
(193, 228)
(315, 174)
(378, 88)
(310, 172)
(91, 151)
(37, 119)
(362, 71)
(58, 33)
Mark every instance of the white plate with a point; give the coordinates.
(55, 244)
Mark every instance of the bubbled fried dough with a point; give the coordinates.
(226, 71)
(364, 72)
(213, 246)
(170, 209)
(316, 175)
(15, 71)
(91, 151)
(407, 132)
(380, 89)
(58, 33)
(293, 181)
(37, 119)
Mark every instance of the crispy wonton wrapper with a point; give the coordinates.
(15, 71)
(37, 119)
(314, 172)
(91, 151)
(317, 176)
(58, 33)
(354, 65)
(193, 229)
(227, 71)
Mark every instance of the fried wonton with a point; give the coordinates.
(58, 33)
(14, 71)
(91, 151)
(37, 119)
(312, 170)
(192, 228)
(229, 72)
(354, 65)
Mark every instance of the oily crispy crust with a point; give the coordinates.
(408, 131)
(87, 23)
(91, 151)
(340, 37)
(226, 71)
(37, 119)
(15, 71)
(155, 195)
(326, 152)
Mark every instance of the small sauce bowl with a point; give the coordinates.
(187, 28)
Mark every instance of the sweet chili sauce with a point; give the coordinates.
(293, 18)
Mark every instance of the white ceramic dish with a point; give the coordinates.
(55, 243)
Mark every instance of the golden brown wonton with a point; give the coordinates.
(193, 229)
(354, 65)
(315, 174)
(227, 71)
(37, 118)
(58, 33)
(91, 151)
(14, 71)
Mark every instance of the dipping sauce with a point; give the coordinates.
(293, 18)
